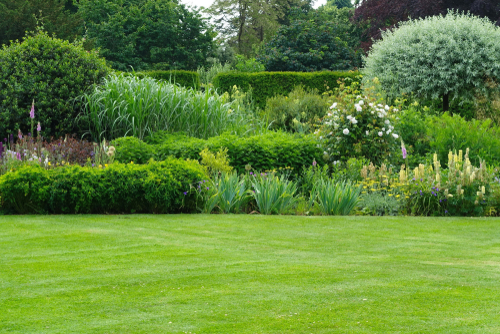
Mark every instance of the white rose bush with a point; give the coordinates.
(358, 124)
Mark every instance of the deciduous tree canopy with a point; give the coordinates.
(144, 34)
(382, 14)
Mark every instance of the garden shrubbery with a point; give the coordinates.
(299, 111)
(266, 85)
(50, 72)
(155, 187)
(269, 151)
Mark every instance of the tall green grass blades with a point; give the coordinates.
(131, 106)
(333, 198)
(273, 194)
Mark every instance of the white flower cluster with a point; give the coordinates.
(381, 110)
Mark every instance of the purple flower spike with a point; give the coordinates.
(38, 127)
(18, 156)
(32, 112)
(20, 134)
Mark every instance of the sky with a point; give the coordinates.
(207, 3)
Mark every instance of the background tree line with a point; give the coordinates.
(281, 34)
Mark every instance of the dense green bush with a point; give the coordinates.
(147, 34)
(297, 112)
(189, 79)
(456, 56)
(51, 72)
(309, 45)
(268, 84)
(265, 152)
(455, 133)
(157, 187)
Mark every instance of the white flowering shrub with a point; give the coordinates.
(454, 57)
(358, 125)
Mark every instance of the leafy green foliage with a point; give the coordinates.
(51, 72)
(126, 105)
(335, 198)
(246, 23)
(307, 46)
(297, 112)
(215, 163)
(153, 34)
(455, 56)
(273, 194)
(156, 187)
(19, 16)
(340, 3)
(264, 152)
(268, 84)
(188, 79)
(225, 192)
(358, 126)
(249, 65)
(455, 133)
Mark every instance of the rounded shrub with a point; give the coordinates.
(450, 57)
(52, 73)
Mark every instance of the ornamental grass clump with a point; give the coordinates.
(335, 198)
(131, 106)
(358, 125)
(273, 194)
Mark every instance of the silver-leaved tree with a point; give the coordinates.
(448, 57)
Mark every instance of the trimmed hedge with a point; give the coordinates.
(263, 152)
(269, 84)
(188, 79)
(156, 187)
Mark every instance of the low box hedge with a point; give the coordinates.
(155, 187)
(268, 84)
(263, 152)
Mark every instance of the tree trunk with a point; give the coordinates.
(446, 102)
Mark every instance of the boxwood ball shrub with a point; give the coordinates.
(455, 56)
(156, 187)
(263, 152)
(50, 71)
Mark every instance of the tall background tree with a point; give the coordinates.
(147, 34)
(56, 16)
(248, 23)
(377, 15)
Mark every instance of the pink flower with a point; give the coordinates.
(403, 149)
(38, 127)
(32, 112)
(20, 134)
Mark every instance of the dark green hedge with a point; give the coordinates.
(156, 187)
(264, 152)
(269, 84)
(183, 78)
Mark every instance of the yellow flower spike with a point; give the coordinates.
(49, 163)
(483, 190)
(105, 165)
(100, 166)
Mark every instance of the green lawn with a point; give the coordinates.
(248, 274)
